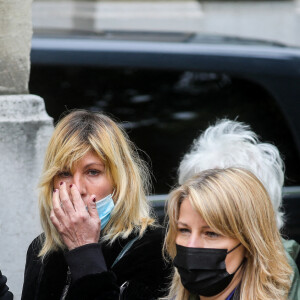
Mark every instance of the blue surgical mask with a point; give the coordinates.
(104, 208)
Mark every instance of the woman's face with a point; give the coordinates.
(90, 177)
(193, 232)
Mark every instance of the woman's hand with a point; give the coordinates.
(76, 224)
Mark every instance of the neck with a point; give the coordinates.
(233, 284)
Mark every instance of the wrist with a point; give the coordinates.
(85, 260)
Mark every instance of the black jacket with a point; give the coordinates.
(5, 294)
(142, 271)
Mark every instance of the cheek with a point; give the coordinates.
(232, 262)
(58, 180)
(180, 240)
(101, 189)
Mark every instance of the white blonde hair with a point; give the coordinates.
(233, 144)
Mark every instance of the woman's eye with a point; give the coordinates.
(183, 230)
(64, 174)
(211, 234)
(94, 172)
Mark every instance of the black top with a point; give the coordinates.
(4, 293)
(141, 270)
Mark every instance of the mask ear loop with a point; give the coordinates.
(242, 260)
(234, 248)
(113, 192)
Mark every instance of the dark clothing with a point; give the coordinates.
(235, 295)
(141, 270)
(5, 294)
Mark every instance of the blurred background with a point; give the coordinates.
(274, 20)
(168, 69)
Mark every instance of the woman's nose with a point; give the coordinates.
(78, 180)
(195, 241)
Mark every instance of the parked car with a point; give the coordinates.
(165, 88)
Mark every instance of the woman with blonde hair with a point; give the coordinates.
(100, 240)
(223, 239)
(230, 143)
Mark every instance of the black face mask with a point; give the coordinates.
(202, 270)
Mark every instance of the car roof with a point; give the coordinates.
(162, 50)
(153, 36)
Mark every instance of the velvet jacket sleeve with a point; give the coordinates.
(47, 279)
(5, 294)
(90, 278)
(142, 271)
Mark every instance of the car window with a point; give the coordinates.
(164, 111)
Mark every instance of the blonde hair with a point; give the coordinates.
(234, 203)
(76, 134)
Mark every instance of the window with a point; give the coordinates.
(164, 111)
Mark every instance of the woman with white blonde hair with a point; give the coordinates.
(223, 239)
(100, 240)
(233, 144)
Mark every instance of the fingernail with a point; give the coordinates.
(71, 185)
(94, 200)
(61, 183)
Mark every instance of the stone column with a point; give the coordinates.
(25, 129)
(15, 41)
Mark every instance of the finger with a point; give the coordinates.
(65, 199)
(77, 200)
(92, 209)
(55, 221)
(56, 204)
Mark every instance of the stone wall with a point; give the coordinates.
(268, 20)
(25, 129)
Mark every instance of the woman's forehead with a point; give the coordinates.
(187, 213)
(88, 158)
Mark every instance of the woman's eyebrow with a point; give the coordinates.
(184, 224)
(94, 163)
(181, 223)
